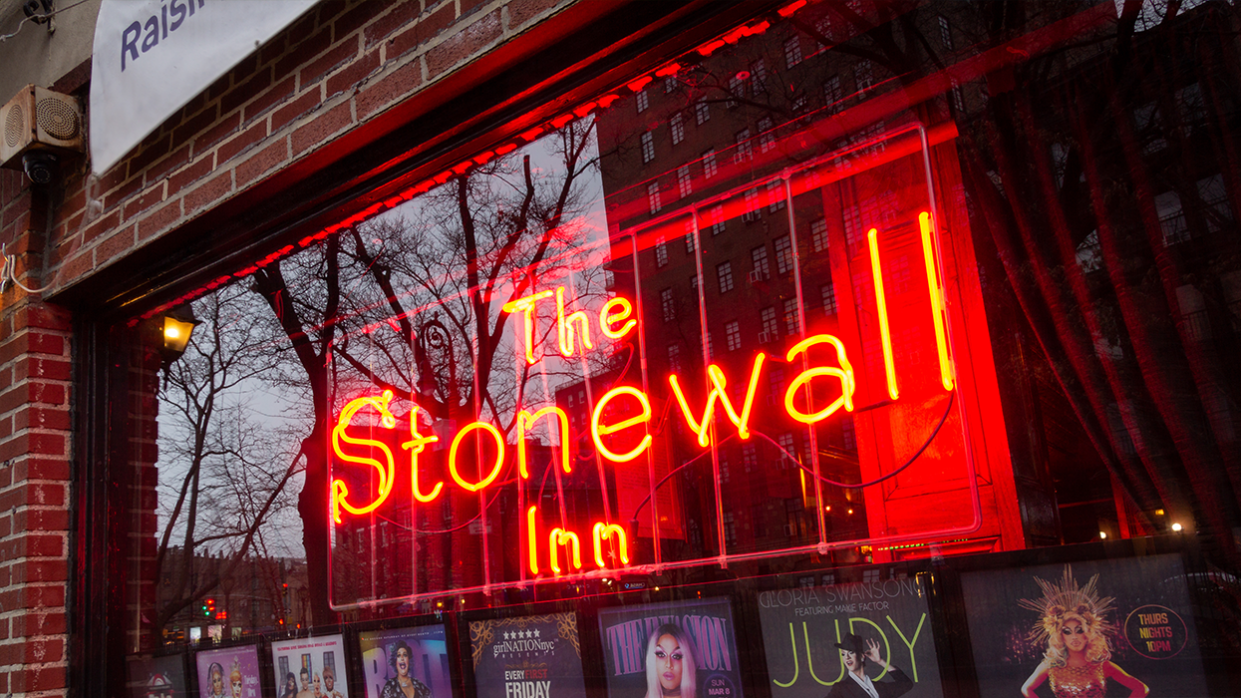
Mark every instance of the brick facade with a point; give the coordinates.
(36, 444)
(336, 70)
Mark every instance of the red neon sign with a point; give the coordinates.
(821, 356)
(386, 471)
(567, 544)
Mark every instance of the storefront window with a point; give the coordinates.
(933, 300)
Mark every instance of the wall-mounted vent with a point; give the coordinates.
(37, 118)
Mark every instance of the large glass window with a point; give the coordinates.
(1000, 313)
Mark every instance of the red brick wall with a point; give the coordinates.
(330, 73)
(35, 451)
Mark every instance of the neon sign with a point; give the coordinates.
(619, 424)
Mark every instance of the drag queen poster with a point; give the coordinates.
(310, 667)
(527, 657)
(685, 649)
(232, 672)
(1090, 629)
(805, 630)
(406, 661)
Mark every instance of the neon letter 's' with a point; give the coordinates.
(598, 431)
(844, 374)
(568, 539)
(386, 471)
(526, 306)
(495, 468)
(602, 531)
(609, 317)
(564, 327)
(416, 445)
(881, 301)
(937, 301)
(525, 420)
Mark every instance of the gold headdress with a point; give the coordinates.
(1065, 601)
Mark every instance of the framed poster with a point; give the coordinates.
(685, 647)
(231, 672)
(805, 630)
(406, 662)
(527, 657)
(1108, 625)
(157, 677)
(310, 667)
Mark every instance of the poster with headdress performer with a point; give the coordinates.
(157, 677)
(836, 639)
(682, 649)
(406, 663)
(527, 657)
(1091, 629)
(310, 667)
(230, 672)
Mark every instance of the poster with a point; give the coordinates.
(232, 672)
(529, 657)
(415, 657)
(657, 649)
(1129, 619)
(157, 677)
(803, 628)
(310, 667)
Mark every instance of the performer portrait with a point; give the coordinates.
(329, 683)
(215, 673)
(671, 667)
(403, 685)
(1073, 625)
(306, 691)
(854, 654)
(290, 686)
(234, 678)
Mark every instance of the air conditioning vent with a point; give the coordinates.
(14, 126)
(58, 119)
(39, 119)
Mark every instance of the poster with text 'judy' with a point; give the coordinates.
(310, 667)
(683, 649)
(527, 657)
(835, 639)
(1096, 627)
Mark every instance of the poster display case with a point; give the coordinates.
(229, 672)
(1094, 626)
(306, 667)
(806, 628)
(681, 648)
(527, 657)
